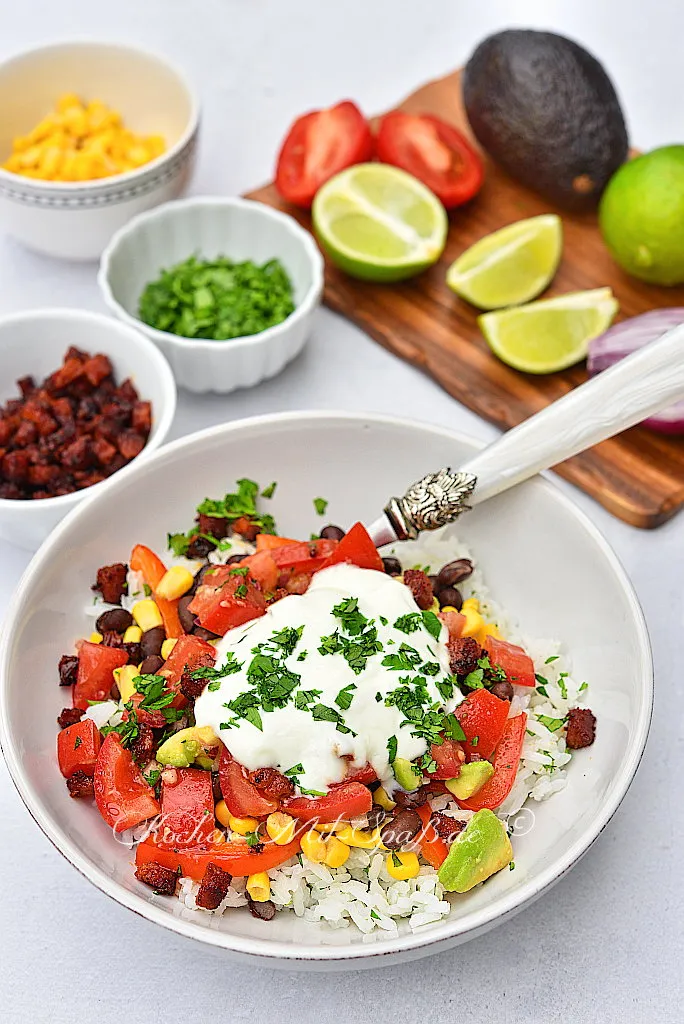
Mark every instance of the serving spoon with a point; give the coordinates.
(633, 389)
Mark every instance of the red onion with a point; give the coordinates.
(628, 336)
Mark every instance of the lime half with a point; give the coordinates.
(549, 335)
(510, 266)
(379, 223)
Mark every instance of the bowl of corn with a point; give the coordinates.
(91, 135)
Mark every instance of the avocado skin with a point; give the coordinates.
(545, 109)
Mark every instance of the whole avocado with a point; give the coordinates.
(546, 110)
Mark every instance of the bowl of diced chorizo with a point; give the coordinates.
(81, 397)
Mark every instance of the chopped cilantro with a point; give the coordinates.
(252, 838)
(432, 624)
(553, 724)
(554, 657)
(396, 860)
(239, 570)
(391, 749)
(345, 697)
(77, 742)
(310, 792)
(148, 589)
(269, 491)
(408, 623)
(241, 591)
(453, 728)
(320, 504)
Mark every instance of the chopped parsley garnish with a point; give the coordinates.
(294, 771)
(269, 491)
(77, 742)
(320, 504)
(406, 659)
(553, 724)
(155, 697)
(562, 686)
(215, 675)
(239, 570)
(408, 623)
(396, 860)
(241, 591)
(303, 698)
(252, 838)
(238, 505)
(391, 749)
(554, 657)
(475, 679)
(345, 697)
(147, 589)
(453, 728)
(323, 713)
(374, 915)
(583, 687)
(153, 777)
(310, 792)
(432, 624)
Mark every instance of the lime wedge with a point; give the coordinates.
(509, 266)
(379, 223)
(549, 335)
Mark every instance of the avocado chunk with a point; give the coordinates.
(471, 778)
(188, 746)
(482, 849)
(547, 112)
(408, 777)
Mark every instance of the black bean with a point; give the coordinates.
(401, 829)
(116, 620)
(233, 560)
(200, 547)
(151, 665)
(376, 816)
(416, 798)
(134, 653)
(204, 634)
(152, 640)
(115, 692)
(199, 578)
(434, 581)
(503, 690)
(216, 787)
(392, 566)
(450, 597)
(263, 911)
(332, 533)
(455, 572)
(187, 619)
(68, 669)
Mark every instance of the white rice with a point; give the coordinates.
(362, 892)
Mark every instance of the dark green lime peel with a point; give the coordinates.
(217, 299)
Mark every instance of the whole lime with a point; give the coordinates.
(641, 216)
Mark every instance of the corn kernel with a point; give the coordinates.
(381, 798)
(96, 638)
(449, 608)
(364, 840)
(337, 852)
(474, 623)
(313, 847)
(167, 647)
(241, 825)
(222, 813)
(124, 677)
(175, 582)
(259, 887)
(281, 828)
(330, 826)
(491, 629)
(146, 614)
(472, 604)
(133, 635)
(402, 866)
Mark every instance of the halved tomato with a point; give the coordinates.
(433, 151)
(318, 145)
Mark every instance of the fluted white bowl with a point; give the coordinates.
(209, 227)
(75, 219)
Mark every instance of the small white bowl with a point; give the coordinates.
(544, 560)
(75, 220)
(35, 343)
(211, 227)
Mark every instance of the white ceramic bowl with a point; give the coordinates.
(75, 220)
(210, 226)
(35, 343)
(543, 559)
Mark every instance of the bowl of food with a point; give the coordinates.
(81, 397)
(227, 288)
(306, 753)
(92, 134)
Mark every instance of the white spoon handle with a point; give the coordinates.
(636, 387)
(642, 384)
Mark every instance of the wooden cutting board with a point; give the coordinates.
(639, 475)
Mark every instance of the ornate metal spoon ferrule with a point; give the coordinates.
(433, 501)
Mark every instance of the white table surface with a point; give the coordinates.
(606, 943)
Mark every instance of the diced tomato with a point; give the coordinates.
(187, 807)
(433, 151)
(304, 557)
(345, 801)
(297, 584)
(512, 660)
(268, 541)
(365, 775)
(242, 797)
(154, 718)
(449, 757)
(482, 717)
(263, 569)
(432, 847)
(239, 859)
(358, 548)
(506, 760)
(189, 653)
(144, 561)
(77, 748)
(227, 600)
(318, 145)
(94, 679)
(122, 796)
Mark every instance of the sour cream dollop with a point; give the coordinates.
(319, 670)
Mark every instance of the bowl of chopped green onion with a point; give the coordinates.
(227, 288)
